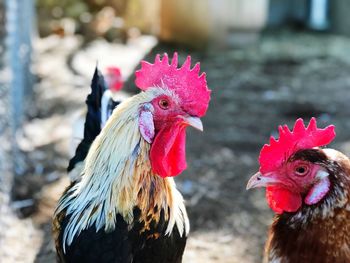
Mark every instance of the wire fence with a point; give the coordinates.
(16, 29)
(19, 30)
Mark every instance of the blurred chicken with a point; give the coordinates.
(110, 100)
(100, 104)
(308, 187)
(126, 208)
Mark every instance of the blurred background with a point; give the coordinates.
(267, 62)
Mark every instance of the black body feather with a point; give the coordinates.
(125, 244)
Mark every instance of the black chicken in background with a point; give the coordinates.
(100, 105)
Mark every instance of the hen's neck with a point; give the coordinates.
(317, 233)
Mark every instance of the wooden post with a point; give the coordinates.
(143, 14)
(201, 22)
(185, 21)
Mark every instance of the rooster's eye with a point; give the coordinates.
(301, 170)
(164, 104)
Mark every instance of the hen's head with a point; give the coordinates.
(294, 170)
(114, 78)
(181, 97)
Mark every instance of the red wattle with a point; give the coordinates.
(168, 151)
(282, 200)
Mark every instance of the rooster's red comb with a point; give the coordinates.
(289, 142)
(185, 82)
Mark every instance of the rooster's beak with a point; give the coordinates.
(195, 122)
(259, 180)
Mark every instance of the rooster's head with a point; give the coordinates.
(181, 97)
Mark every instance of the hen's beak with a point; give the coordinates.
(259, 180)
(195, 122)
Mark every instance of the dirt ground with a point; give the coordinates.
(282, 77)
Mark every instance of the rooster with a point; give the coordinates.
(100, 104)
(308, 188)
(126, 207)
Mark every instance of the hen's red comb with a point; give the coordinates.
(289, 142)
(113, 70)
(114, 78)
(185, 82)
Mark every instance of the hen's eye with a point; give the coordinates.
(301, 170)
(164, 104)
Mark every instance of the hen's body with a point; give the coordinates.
(318, 233)
(321, 241)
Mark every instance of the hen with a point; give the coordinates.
(308, 187)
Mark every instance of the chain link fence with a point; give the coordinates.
(16, 21)
(16, 29)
